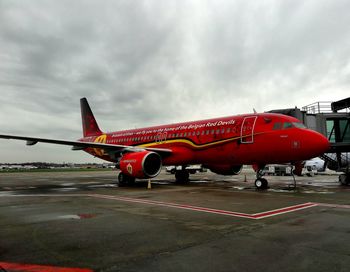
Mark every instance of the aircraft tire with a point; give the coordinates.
(124, 180)
(182, 177)
(261, 183)
(344, 179)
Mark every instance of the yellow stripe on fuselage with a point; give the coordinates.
(189, 143)
(197, 146)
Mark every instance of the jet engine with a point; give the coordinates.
(143, 164)
(226, 170)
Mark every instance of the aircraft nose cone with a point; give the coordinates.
(320, 144)
(323, 144)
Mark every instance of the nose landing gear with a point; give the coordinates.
(260, 182)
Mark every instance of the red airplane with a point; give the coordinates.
(222, 145)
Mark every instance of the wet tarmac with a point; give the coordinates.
(215, 223)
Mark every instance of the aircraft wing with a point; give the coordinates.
(78, 145)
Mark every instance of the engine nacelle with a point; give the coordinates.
(144, 164)
(227, 170)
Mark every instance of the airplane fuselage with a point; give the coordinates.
(234, 140)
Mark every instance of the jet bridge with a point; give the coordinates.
(332, 120)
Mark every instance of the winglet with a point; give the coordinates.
(90, 126)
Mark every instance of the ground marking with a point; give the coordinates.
(260, 215)
(38, 268)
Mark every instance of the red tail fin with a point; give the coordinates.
(90, 126)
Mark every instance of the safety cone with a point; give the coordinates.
(149, 186)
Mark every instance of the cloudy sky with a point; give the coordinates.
(143, 63)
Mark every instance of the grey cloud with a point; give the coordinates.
(145, 63)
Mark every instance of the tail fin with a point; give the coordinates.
(90, 126)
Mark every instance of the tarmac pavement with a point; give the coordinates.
(215, 223)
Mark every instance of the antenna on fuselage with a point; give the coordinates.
(254, 110)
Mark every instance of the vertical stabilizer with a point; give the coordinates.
(90, 126)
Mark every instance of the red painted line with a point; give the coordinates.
(173, 205)
(255, 216)
(210, 210)
(16, 267)
(284, 210)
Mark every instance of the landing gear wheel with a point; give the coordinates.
(261, 183)
(344, 179)
(182, 176)
(124, 180)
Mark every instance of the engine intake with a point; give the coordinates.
(144, 164)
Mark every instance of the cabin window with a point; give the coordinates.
(277, 126)
(203, 132)
(287, 125)
(217, 131)
(228, 130)
(185, 134)
(223, 131)
(193, 133)
(212, 131)
(181, 134)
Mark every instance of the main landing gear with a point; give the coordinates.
(260, 182)
(182, 176)
(344, 179)
(125, 180)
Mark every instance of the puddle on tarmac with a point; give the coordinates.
(55, 216)
(102, 186)
(66, 189)
(7, 193)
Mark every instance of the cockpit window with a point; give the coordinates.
(299, 125)
(277, 126)
(287, 125)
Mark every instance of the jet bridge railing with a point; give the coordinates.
(326, 107)
(318, 107)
